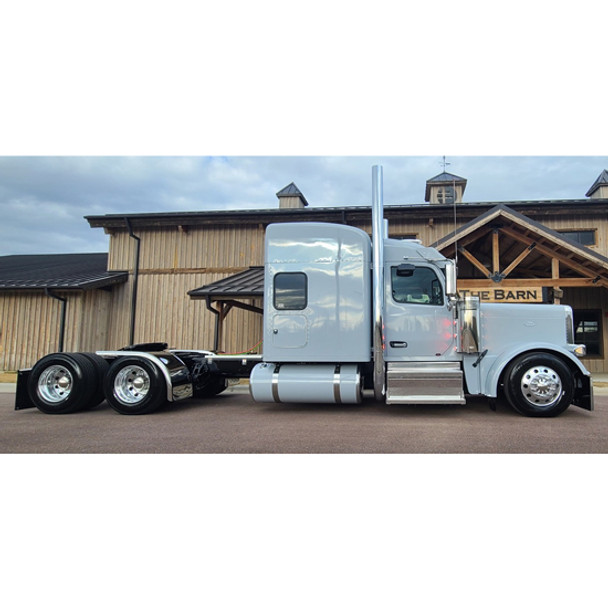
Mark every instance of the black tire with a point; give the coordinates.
(539, 384)
(135, 386)
(101, 366)
(62, 383)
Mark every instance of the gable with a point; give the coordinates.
(503, 246)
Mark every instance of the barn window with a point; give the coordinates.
(582, 237)
(588, 330)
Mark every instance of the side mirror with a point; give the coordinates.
(450, 280)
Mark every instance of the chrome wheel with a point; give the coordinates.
(541, 386)
(55, 384)
(131, 385)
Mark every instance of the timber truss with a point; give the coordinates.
(503, 248)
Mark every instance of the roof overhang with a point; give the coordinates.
(67, 284)
(242, 285)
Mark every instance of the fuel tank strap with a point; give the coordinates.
(337, 397)
(275, 383)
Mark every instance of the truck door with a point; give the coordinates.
(290, 299)
(417, 322)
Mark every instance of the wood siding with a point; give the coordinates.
(165, 313)
(196, 250)
(173, 262)
(30, 322)
(29, 328)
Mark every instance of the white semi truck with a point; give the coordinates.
(343, 313)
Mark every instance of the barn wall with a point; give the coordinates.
(172, 262)
(30, 323)
(29, 328)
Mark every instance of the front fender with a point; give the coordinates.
(496, 366)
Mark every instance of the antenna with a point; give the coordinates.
(445, 164)
(455, 225)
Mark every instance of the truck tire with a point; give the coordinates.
(135, 386)
(101, 367)
(539, 384)
(63, 383)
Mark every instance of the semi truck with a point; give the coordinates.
(345, 315)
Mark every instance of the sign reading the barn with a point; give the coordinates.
(505, 294)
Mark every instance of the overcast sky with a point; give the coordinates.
(44, 199)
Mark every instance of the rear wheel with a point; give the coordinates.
(539, 384)
(63, 383)
(135, 386)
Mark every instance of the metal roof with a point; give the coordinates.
(446, 177)
(58, 271)
(246, 284)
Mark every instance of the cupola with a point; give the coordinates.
(600, 186)
(290, 197)
(444, 189)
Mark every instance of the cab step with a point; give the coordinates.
(424, 382)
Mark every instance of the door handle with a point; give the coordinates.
(398, 344)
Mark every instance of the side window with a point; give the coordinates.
(420, 286)
(290, 291)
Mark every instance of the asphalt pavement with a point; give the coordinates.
(233, 423)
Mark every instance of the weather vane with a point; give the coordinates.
(444, 163)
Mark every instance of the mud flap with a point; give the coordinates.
(583, 393)
(22, 399)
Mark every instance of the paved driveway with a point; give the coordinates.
(233, 423)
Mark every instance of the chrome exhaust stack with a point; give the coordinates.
(378, 282)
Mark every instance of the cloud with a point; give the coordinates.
(43, 200)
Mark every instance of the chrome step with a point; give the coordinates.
(424, 382)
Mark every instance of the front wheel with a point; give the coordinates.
(539, 384)
(135, 386)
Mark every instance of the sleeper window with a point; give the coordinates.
(290, 291)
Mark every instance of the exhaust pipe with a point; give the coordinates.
(378, 281)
